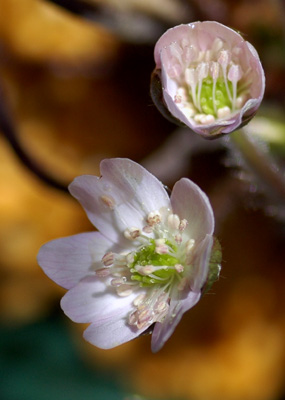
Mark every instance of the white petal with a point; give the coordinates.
(191, 203)
(111, 332)
(121, 198)
(163, 331)
(67, 260)
(201, 263)
(93, 300)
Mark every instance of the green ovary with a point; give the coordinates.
(148, 256)
(221, 96)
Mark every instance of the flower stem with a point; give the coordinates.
(260, 161)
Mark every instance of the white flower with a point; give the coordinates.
(146, 265)
(211, 78)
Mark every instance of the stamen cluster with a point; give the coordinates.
(210, 87)
(157, 261)
(211, 78)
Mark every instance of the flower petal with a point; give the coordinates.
(67, 260)
(111, 332)
(201, 263)
(121, 198)
(94, 299)
(163, 331)
(191, 203)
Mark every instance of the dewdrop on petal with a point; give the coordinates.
(207, 77)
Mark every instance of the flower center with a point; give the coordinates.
(161, 253)
(150, 267)
(213, 96)
(211, 84)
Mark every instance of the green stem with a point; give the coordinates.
(260, 162)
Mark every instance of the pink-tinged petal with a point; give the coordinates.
(201, 263)
(121, 198)
(93, 299)
(111, 332)
(67, 260)
(187, 47)
(177, 33)
(178, 306)
(191, 203)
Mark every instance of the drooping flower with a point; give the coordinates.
(146, 264)
(210, 77)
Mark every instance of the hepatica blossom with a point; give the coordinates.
(148, 262)
(212, 79)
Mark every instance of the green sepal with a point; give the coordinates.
(214, 266)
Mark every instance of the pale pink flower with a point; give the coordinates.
(146, 264)
(212, 79)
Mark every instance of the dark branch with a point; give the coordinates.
(10, 132)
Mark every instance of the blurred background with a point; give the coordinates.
(74, 89)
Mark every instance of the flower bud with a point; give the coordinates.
(207, 77)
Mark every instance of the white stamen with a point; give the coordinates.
(217, 45)
(130, 258)
(147, 229)
(153, 218)
(145, 315)
(223, 60)
(174, 70)
(188, 110)
(181, 92)
(108, 201)
(208, 55)
(240, 101)
(184, 43)
(145, 269)
(199, 117)
(103, 272)
(132, 233)
(173, 221)
(223, 112)
(189, 53)
(118, 281)
(124, 290)
(202, 70)
(108, 259)
(234, 75)
(133, 318)
(177, 99)
(179, 268)
(207, 119)
(161, 249)
(183, 224)
(215, 71)
(176, 51)
(143, 325)
(178, 238)
(191, 80)
(189, 245)
(139, 299)
(160, 307)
